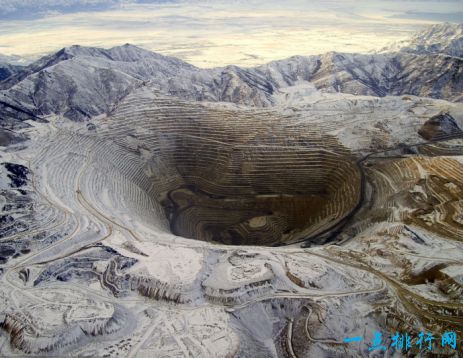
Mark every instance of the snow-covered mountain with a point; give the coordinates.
(82, 82)
(7, 70)
(440, 38)
(10, 65)
(436, 76)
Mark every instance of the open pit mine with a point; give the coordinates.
(150, 208)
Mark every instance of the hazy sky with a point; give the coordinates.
(216, 33)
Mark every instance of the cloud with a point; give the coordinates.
(31, 9)
(217, 33)
(431, 16)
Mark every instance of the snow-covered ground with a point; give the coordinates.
(89, 263)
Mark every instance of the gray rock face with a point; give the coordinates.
(8, 137)
(440, 126)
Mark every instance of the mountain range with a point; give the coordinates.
(82, 82)
(441, 38)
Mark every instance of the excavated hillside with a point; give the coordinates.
(135, 223)
(236, 177)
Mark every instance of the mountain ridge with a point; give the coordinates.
(446, 38)
(80, 82)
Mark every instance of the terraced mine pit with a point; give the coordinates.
(242, 179)
(257, 196)
(126, 182)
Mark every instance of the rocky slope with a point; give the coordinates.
(436, 76)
